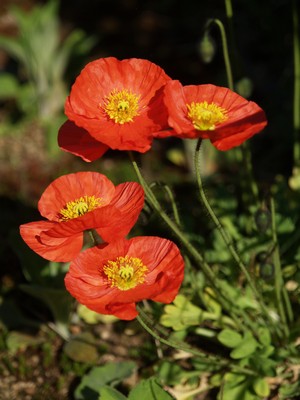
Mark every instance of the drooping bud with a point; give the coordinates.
(207, 48)
(244, 87)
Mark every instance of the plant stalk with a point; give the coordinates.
(226, 237)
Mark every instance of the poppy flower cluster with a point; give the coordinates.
(124, 105)
(115, 273)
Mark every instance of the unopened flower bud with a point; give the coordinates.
(263, 220)
(244, 87)
(266, 270)
(207, 48)
(265, 266)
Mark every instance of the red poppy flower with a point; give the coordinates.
(80, 202)
(211, 112)
(118, 103)
(111, 279)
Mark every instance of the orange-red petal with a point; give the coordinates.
(62, 250)
(78, 141)
(71, 187)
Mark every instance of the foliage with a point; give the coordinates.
(232, 332)
(40, 88)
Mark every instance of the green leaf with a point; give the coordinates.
(20, 341)
(9, 86)
(169, 372)
(264, 336)
(230, 338)
(109, 393)
(236, 387)
(289, 391)
(149, 389)
(239, 392)
(247, 347)
(82, 348)
(263, 365)
(210, 302)
(182, 314)
(109, 374)
(266, 351)
(261, 387)
(13, 47)
(234, 379)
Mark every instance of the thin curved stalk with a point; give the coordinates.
(220, 25)
(279, 283)
(227, 239)
(172, 200)
(226, 302)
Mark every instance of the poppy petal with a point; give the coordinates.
(61, 251)
(129, 200)
(71, 187)
(78, 141)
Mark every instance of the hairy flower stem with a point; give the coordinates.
(228, 240)
(225, 300)
(279, 283)
(171, 199)
(220, 25)
(206, 358)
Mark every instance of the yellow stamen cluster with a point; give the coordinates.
(125, 272)
(205, 116)
(79, 207)
(122, 106)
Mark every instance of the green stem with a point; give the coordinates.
(172, 201)
(228, 6)
(226, 237)
(226, 302)
(296, 113)
(225, 49)
(207, 358)
(247, 159)
(279, 283)
(95, 238)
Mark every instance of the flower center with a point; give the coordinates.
(79, 207)
(125, 272)
(122, 106)
(205, 116)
